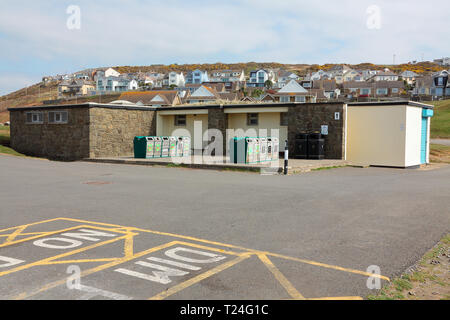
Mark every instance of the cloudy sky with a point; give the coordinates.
(36, 41)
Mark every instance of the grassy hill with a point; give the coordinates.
(29, 96)
(440, 123)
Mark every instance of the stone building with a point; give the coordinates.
(73, 132)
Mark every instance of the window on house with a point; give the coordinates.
(285, 99)
(365, 91)
(59, 117)
(35, 117)
(180, 120)
(382, 91)
(252, 119)
(284, 120)
(394, 90)
(300, 99)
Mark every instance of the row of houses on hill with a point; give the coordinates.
(340, 82)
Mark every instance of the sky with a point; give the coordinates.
(48, 37)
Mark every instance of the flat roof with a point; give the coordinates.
(393, 103)
(217, 106)
(85, 105)
(177, 107)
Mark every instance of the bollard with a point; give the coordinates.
(286, 158)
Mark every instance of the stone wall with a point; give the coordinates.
(112, 131)
(90, 132)
(218, 119)
(310, 117)
(54, 141)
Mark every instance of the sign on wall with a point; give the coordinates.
(324, 130)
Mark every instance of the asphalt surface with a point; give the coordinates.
(445, 142)
(256, 237)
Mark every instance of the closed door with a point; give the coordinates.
(423, 145)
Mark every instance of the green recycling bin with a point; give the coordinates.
(140, 147)
(237, 150)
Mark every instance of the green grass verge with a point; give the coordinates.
(439, 153)
(4, 143)
(423, 275)
(7, 150)
(440, 122)
(4, 136)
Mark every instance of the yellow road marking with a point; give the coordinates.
(81, 261)
(96, 269)
(51, 259)
(319, 264)
(199, 246)
(40, 236)
(129, 246)
(24, 234)
(338, 298)
(281, 278)
(207, 274)
(32, 224)
(13, 235)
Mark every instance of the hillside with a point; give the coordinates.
(39, 92)
(440, 123)
(29, 96)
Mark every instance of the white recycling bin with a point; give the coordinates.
(262, 149)
(165, 146)
(150, 153)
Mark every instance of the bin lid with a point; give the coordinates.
(315, 136)
(301, 136)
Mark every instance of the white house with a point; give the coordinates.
(116, 84)
(259, 77)
(293, 92)
(409, 77)
(385, 75)
(285, 77)
(174, 79)
(197, 77)
(110, 72)
(227, 76)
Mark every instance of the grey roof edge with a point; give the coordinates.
(85, 105)
(180, 107)
(393, 103)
